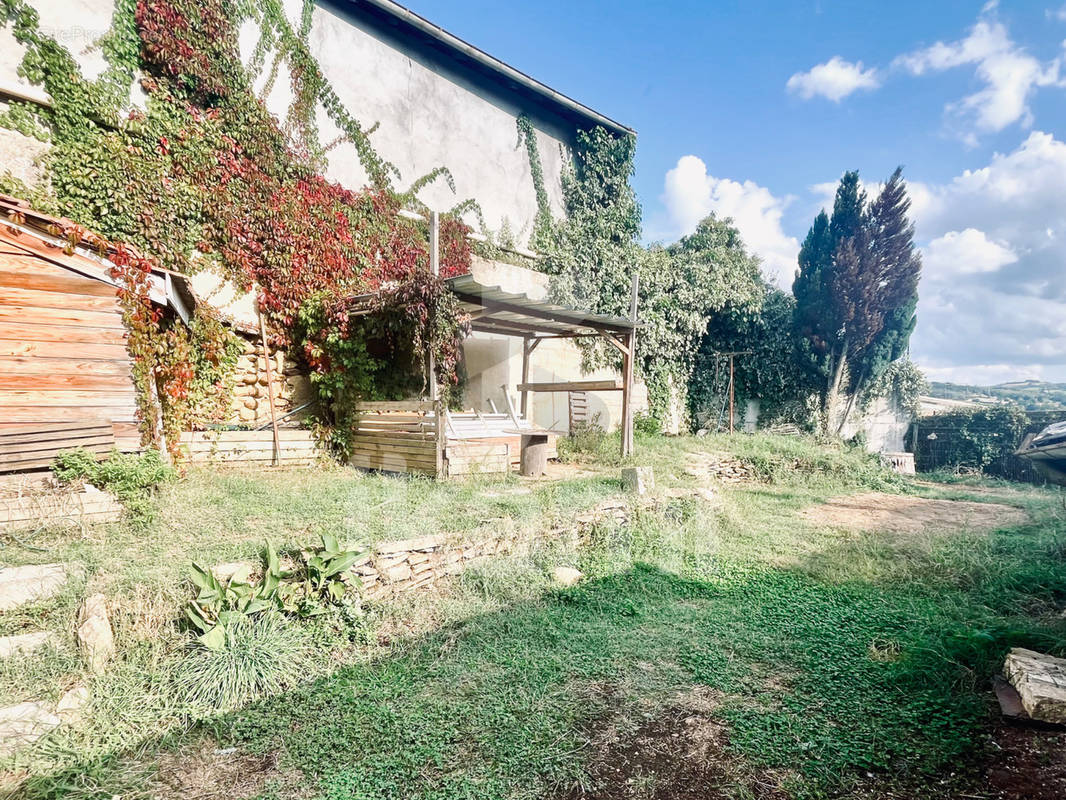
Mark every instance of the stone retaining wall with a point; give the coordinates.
(251, 398)
(399, 566)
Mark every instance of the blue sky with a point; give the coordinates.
(752, 109)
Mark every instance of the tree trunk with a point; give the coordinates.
(833, 389)
(851, 403)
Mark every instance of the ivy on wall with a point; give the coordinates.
(205, 177)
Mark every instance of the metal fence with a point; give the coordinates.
(934, 442)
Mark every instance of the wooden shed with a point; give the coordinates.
(65, 373)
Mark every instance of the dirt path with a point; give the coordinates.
(904, 514)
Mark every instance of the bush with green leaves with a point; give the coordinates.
(131, 477)
(320, 582)
(970, 438)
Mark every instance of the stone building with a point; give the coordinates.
(430, 99)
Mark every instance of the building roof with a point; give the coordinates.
(478, 60)
(66, 244)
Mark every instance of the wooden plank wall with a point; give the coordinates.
(62, 348)
(250, 448)
(476, 457)
(396, 437)
(35, 446)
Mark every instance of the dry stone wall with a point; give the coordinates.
(251, 394)
(408, 564)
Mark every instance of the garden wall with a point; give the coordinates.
(400, 566)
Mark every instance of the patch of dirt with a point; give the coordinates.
(904, 514)
(209, 773)
(677, 754)
(1026, 764)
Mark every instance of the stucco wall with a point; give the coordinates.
(430, 110)
(494, 363)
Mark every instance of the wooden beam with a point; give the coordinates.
(270, 390)
(549, 316)
(628, 360)
(528, 346)
(611, 385)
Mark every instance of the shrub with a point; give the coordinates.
(263, 656)
(131, 477)
(588, 441)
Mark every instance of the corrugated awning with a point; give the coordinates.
(492, 310)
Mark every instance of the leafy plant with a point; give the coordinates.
(131, 477)
(220, 604)
(323, 580)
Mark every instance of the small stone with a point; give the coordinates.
(638, 480)
(421, 543)
(24, 643)
(24, 724)
(702, 432)
(567, 576)
(224, 572)
(400, 572)
(21, 585)
(69, 706)
(95, 637)
(246, 414)
(250, 402)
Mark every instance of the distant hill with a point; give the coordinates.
(1030, 395)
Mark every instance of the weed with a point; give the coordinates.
(131, 477)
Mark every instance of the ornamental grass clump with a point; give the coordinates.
(263, 655)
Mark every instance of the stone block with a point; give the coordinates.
(1040, 681)
(21, 585)
(421, 543)
(567, 576)
(23, 724)
(95, 637)
(400, 572)
(638, 480)
(24, 643)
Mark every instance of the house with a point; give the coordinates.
(430, 101)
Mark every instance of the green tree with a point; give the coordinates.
(771, 373)
(855, 307)
(594, 252)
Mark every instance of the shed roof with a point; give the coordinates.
(492, 310)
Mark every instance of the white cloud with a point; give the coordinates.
(985, 374)
(1010, 76)
(963, 252)
(993, 290)
(690, 194)
(1057, 14)
(833, 80)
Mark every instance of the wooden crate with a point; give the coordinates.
(298, 447)
(34, 446)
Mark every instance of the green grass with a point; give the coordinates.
(833, 655)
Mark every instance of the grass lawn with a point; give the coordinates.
(721, 645)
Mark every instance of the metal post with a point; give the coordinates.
(434, 270)
(731, 393)
(525, 376)
(434, 386)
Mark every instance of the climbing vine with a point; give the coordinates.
(202, 176)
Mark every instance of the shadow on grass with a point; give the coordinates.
(824, 680)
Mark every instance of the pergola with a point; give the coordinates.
(492, 310)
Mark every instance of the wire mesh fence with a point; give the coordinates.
(962, 442)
